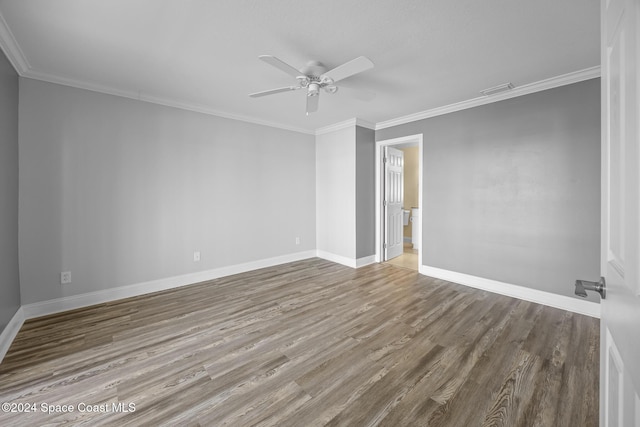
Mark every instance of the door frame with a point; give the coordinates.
(416, 139)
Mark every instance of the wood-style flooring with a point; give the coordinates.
(309, 343)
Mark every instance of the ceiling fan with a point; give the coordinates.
(314, 76)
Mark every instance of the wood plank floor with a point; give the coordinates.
(309, 343)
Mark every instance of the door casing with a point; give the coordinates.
(416, 139)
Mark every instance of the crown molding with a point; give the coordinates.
(344, 125)
(167, 102)
(14, 53)
(562, 80)
(365, 124)
(212, 112)
(550, 83)
(336, 126)
(11, 48)
(79, 84)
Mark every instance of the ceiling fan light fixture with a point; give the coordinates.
(330, 89)
(314, 89)
(326, 80)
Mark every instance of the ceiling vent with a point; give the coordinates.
(497, 89)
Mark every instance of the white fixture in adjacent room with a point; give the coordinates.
(405, 217)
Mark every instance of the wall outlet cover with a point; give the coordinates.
(65, 277)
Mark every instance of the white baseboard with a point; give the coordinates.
(83, 300)
(10, 331)
(349, 262)
(361, 262)
(30, 311)
(574, 305)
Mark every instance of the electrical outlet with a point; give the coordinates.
(196, 256)
(65, 277)
(297, 240)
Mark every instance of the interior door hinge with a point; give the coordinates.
(385, 246)
(384, 203)
(384, 160)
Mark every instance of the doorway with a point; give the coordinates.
(411, 256)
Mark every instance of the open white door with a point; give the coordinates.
(620, 255)
(393, 199)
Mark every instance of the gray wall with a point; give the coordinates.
(512, 189)
(9, 281)
(120, 191)
(365, 192)
(336, 192)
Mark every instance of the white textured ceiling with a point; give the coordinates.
(204, 53)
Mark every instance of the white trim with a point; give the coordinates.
(562, 80)
(418, 140)
(19, 61)
(11, 48)
(336, 126)
(83, 300)
(79, 84)
(361, 262)
(206, 110)
(365, 124)
(349, 262)
(10, 331)
(574, 305)
(345, 125)
(138, 96)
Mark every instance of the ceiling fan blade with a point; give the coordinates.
(350, 68)
(312, 104)
(272, 91)
(281, 65)
(359, 94)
